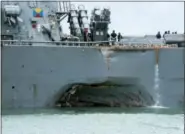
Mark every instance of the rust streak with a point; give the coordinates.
(157, 55)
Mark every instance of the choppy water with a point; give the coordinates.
(94, 121)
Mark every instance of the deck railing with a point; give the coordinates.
(96, 44)
(51, 43)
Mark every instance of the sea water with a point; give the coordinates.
(94, 121)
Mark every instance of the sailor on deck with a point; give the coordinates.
(113, 36)
(158, 36)
(108, 36)
(119, 36)
(165, 33)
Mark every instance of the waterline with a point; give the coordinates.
(158, 107)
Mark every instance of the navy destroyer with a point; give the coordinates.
(44, 67)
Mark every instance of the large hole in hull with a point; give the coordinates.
(106, 94)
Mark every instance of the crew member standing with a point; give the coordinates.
(158, 36)
(113, 36)
(119, 36)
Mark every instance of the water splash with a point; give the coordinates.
(158, 107)
(156, 87)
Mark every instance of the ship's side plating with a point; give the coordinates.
(35, 76)
(171, 76)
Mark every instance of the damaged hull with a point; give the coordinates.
(112, 93)
(36, 76)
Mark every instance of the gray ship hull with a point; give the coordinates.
(36, 76)
(171, 74)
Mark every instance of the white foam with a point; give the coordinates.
(157, 107)
(157, 88)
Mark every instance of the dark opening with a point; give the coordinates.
(107, 94)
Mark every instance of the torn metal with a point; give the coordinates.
(105, 95)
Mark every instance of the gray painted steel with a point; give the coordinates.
(138, 65)
(171, 73)
(40, 74)
(47, 70)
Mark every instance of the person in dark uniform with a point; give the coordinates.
(119, 36)
(165, 33)
(108, 36)
(108, 39)
(158, 36)
(113, 36)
